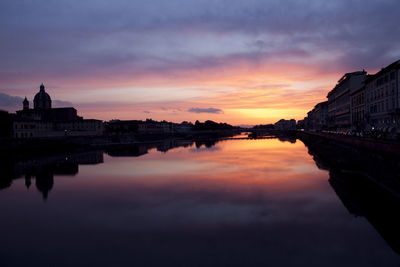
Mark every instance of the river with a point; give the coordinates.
(260, 202)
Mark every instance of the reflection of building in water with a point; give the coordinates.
(166, 145)
(42, 170)
(45, 121)
(364, 198)
(137, 150)
(206, 143)
(28, 181)
(44, 182)
(171, 143)
(287, 139)
(367, 184)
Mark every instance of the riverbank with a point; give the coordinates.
(379, 167)
(380, 146)
(26, 148)
(366, 182)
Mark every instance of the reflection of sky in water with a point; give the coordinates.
(250, 202)
(205, 149)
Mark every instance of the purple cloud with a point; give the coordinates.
(94, 39)
(13, 103)
(206, 110)
(10, 101)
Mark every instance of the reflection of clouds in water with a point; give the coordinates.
(178, 202)
(242, 203)
(205, 149)
(255, 222)
(174, 211)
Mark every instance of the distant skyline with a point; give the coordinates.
(240, 62)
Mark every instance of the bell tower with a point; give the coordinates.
(25, 104)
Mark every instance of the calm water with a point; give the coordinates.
(230, 203)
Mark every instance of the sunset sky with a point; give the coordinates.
(241, 62)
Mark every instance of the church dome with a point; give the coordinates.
(42, 99)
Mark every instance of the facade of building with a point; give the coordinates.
(300, 125)
(317, 118)
(382, 105)
(309, 125)
(123, 126)
(116, 127)
(183, 128)
(6, 121)
(285, 125)
(358, 109)
(339, 117)
(154, 127)
(362, 103)
(44, 121)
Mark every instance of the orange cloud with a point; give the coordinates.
(244, 91)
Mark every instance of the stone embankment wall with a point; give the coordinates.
(364, 143)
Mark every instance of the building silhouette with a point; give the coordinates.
(42, 99)
(44, 121)
(339, 100)
(362, 103)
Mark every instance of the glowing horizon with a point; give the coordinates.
(240, 63)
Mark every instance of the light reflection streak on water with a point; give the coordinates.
(262, 197)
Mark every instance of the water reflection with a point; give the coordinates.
(364, 198)
(43, 169)
(233, 203)
(367, 184)
(136, 150)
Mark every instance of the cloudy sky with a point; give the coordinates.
(241, 62)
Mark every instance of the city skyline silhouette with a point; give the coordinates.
(240, 63)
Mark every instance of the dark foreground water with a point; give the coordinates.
(233, 203)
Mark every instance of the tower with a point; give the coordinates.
(25, 104)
